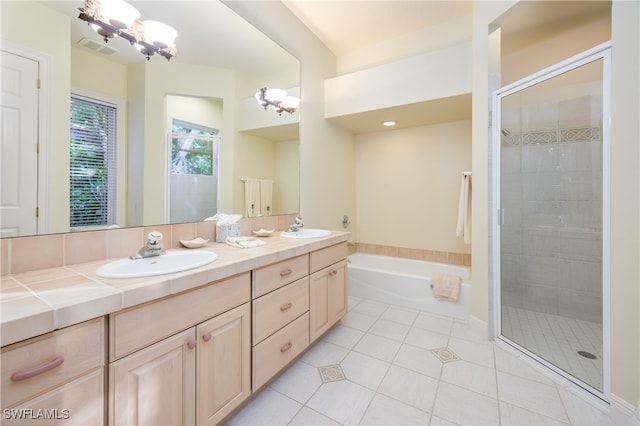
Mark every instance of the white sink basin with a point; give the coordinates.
(173, 261)
(306, 233)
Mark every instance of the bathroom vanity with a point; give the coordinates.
(182, 348)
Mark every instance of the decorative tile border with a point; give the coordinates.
(331, 373)
(462, 259)
(541, 137)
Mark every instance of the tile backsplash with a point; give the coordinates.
(24, 254)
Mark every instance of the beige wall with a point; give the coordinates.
(408, 186)
(14, 16)
(98, 74)
(625, 186)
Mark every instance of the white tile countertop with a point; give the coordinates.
(36, 302)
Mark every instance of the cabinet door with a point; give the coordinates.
(79, 402)
(224, 351)
(155, 385)
(338, 291)
(319, 303)
(327, 298)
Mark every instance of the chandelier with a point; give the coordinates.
(278, 99)
(111, 18)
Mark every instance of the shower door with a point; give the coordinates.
(552, 227)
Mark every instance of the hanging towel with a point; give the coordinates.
(463, 228)
(251, 197)
(266, 194)
(446, 287)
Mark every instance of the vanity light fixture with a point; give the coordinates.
(111, 18)
(278, 99)
(389, 123)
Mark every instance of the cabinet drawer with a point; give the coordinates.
(280, 349)
(274, 310)
(137, 327)
(327, 256)
(271, 277)
(77, 403)
(40, 364)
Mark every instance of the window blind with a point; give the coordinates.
(92, 163)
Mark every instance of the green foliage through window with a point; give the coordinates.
(92, 163)
(194, 149)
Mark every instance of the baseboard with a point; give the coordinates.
(623, 412)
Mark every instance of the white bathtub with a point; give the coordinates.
(406, 282)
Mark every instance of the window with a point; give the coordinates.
(193, 149)
(92, 174)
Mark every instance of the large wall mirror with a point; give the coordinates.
(210, 84)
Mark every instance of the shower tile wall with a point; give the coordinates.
(552, 200)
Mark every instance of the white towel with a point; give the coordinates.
(463, 227)
(266, 194)
(244, 242)
(252, 197)
(446, 287)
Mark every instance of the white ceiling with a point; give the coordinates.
(346, 26)
(209, 34)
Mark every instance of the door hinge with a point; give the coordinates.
(38, 83)
(38, 148)
(37, 211)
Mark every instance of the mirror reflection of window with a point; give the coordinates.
(193, 181)
(93, 165)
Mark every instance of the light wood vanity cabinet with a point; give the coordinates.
(189, 358)
(57, 378)
(327, 288)
(195, 376)
(280, 316)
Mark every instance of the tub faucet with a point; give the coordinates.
(296, 225)
(152, 248)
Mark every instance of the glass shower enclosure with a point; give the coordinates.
(551, 225)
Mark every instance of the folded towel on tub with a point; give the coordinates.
(446, 287)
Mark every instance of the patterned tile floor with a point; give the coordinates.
(388, 365)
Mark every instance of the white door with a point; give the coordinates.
(19, 159)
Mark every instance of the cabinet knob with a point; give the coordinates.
(23, 375)
(206, 337)
(191, 344)
(286, 306)
(286, 347)
(286, 272)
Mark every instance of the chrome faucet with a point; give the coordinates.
(152, 248)
(296, 225)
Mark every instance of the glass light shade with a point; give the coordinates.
(276, 95)
(159, 34)
(258, 96)
(119, 13)
(290, 103)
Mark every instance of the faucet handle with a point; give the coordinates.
(154, 236)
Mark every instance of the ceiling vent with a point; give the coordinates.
(96, 46)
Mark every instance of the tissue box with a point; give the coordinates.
(227, 230)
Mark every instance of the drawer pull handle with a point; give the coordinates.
(23, 375)
(206, 337)
(286, 347)
(286, 272)
(286, 306)
(191, 344)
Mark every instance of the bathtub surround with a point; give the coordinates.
(463, 259)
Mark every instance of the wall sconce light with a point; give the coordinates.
(111, 18)
(278, 99)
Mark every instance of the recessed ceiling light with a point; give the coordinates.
(389, 123)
